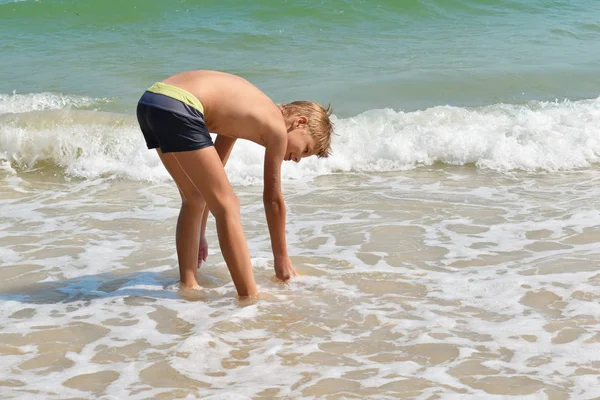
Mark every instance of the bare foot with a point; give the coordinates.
(194, 292)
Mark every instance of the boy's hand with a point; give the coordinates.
(202, 250)
(284, 270)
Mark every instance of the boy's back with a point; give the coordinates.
(233, 106)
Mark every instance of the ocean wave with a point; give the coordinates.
(534, 136)
(549, 136)
(20, 103)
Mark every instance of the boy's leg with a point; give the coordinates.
(187, 237)
(200, 174)
(188, 223)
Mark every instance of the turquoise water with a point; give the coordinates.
(358, 55)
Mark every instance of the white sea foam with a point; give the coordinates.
(20, 103)
(536, 136)
(427, 282)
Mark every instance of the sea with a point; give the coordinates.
(448, 249)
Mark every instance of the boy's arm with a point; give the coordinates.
(224, 145)
(275, 204)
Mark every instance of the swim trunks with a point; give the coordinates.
(172, 119)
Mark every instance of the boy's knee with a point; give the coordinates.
(193, 201)
(228, 205)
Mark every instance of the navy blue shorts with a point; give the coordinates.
(171, 124)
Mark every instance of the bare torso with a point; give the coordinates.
(233, 107)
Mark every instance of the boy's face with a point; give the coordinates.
(300, 143)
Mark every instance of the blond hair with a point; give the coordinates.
(319, 125)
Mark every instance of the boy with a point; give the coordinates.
(176, 116)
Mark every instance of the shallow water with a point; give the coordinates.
(433, 283)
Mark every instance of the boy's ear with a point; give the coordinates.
(302, 120)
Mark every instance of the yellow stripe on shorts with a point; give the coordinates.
(178, 94)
